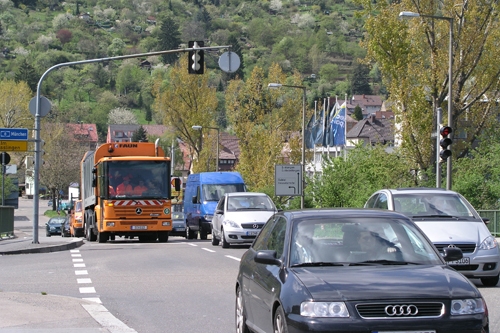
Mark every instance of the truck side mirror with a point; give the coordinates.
(194, 199)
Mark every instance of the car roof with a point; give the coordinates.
(320, 213)
(245, 194)
(411, 190)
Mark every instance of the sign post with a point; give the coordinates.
(5, 158)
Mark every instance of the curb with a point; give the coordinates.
(45, 248)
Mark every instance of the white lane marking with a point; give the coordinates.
(77, 260)
(74, 251)
(208, 250)
(235, 258)
(78, 265)
(84, 272)
(93, 299)
(87, 290)
(191, 244)
(76, 255)
(106, 319)
(86, 280)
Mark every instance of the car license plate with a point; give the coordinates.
(139, 227)
(180, 229)
(463, 261)
(252, 233)
(431, 331)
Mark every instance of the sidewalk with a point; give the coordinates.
(37, 313)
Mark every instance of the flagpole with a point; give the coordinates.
(345, 129)
(314, 144)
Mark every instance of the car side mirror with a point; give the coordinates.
(452, 253)
(485, 220)
(219, 211)
(267, 257)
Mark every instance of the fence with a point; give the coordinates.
(494, 224)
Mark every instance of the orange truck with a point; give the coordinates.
(76, 220)
(126, 192)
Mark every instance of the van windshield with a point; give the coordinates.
(213, 192)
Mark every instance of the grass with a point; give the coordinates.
(53, 213)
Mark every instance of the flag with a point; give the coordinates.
(308, 135)
(338, 124)
(329, 135)
(317, 130)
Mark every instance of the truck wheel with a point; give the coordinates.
(102, 237)
(203, 233)
(91, 236)
(163, 236)
(225, 244)
(215, 241)
(190, 234)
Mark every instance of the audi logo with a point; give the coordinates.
(138, 211)
(401, 310)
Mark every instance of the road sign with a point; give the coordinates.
(14, 145)
(4, 158)
(44, 106)
(13, 134)
(287, 180)
(229, 62)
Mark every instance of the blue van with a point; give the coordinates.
(201, 195)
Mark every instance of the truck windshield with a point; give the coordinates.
(213, 192)
(138, 179)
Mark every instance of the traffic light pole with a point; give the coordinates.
(37, 159)
(438, 147)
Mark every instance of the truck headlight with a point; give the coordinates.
(110, 224)
(165, 224)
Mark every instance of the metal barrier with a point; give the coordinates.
(494, 224)
(6, 221)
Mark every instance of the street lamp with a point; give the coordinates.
(200, 128)
(450, 78)
(279, 85)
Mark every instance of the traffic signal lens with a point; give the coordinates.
(445, 142)
(445, 131)
(444, 154)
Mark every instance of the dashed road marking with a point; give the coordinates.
(84, 272)
(86, 280)
(234, 258)
(208, 250)
(87, 290)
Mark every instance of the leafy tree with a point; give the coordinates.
(14, 101)
(364, 171)
(130, 77)
(413, 59)
(141, 135)
(262, 119)
(329, 72)
(182, 101)
(27, 73)
(64, 36)
(360, 83)
(169, 39)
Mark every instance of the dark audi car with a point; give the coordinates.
(352, 270)
(54, 225)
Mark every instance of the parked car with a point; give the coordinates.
(239, 217)
(178, 224)
(448, 219)
(352, 270)
(54, 225)
(65, 227)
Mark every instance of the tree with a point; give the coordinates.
(121, 116)
(14, 101)
(263, 119)
(141, 135)
(182, 101)
(360, 83)
(64, 36)
(169, 39)
(358, 113)
(413, 58)
(27, 73)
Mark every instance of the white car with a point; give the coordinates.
(240, 216)
(449, 220)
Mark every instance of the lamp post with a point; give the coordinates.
(199, 128)
(450, 78)
(279, 85)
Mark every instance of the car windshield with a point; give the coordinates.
(360, 241)
(426, 204)
(57, 220)
(213, 192)
(242, 202)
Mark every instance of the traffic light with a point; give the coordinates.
(445, 143)
(196, 61)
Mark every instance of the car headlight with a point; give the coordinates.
(467, 306)
(231, 223)
(324, 309)
(208, 218)
(489, 243)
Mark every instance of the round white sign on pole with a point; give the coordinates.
(229, 62)
(45, 106)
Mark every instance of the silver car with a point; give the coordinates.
(449, 220)
(240, 216)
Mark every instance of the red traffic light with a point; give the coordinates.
(445, 131)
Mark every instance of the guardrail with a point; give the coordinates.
(6, 221)
(494, 224)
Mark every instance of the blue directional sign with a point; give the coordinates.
(17, 134)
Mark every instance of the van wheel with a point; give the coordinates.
(215, 241)
(225, 244)
(490, 281)
(190, 234)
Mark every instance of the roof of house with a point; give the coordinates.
(375, 130)
(80, 130)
